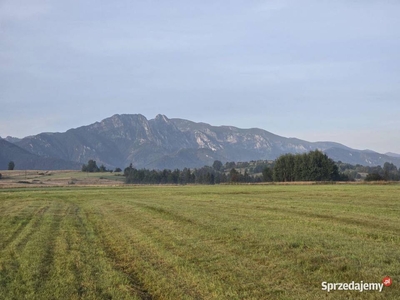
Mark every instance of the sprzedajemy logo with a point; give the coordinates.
(356, 286)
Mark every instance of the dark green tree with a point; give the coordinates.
(267, 174)
(186, 176)
(212, 179)
(312, 166)
(322, 168)
(217, 165)
(373, 177)
(390, 172)
(234, 175)
(246, 177)
(11, 165)
(90, 167)
(284, 168)
(127, 170)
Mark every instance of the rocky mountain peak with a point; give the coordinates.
(162, 118)
(161, 142)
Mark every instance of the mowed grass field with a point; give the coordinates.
(198, 242)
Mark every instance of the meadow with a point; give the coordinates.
(198, 242)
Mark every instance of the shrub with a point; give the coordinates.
(373, 177)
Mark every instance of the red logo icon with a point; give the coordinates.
(387, 281)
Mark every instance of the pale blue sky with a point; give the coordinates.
(315, 70)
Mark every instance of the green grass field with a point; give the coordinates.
(198, 242)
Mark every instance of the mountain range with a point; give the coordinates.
(25, 160)
(164, 143)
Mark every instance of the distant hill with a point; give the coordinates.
(392, 154)
(365, 158)
(12, 139)
(24, 160)
(176, 143)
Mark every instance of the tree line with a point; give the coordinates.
(311, 166)
(204, 175)
(389, 172)
(92, 167)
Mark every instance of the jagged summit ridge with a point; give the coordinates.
(161, 143)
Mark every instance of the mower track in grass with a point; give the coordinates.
(198, 242)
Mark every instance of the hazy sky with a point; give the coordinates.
(315, 70)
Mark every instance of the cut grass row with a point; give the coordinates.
(198, 242)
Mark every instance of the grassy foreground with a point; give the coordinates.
(198, 242)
